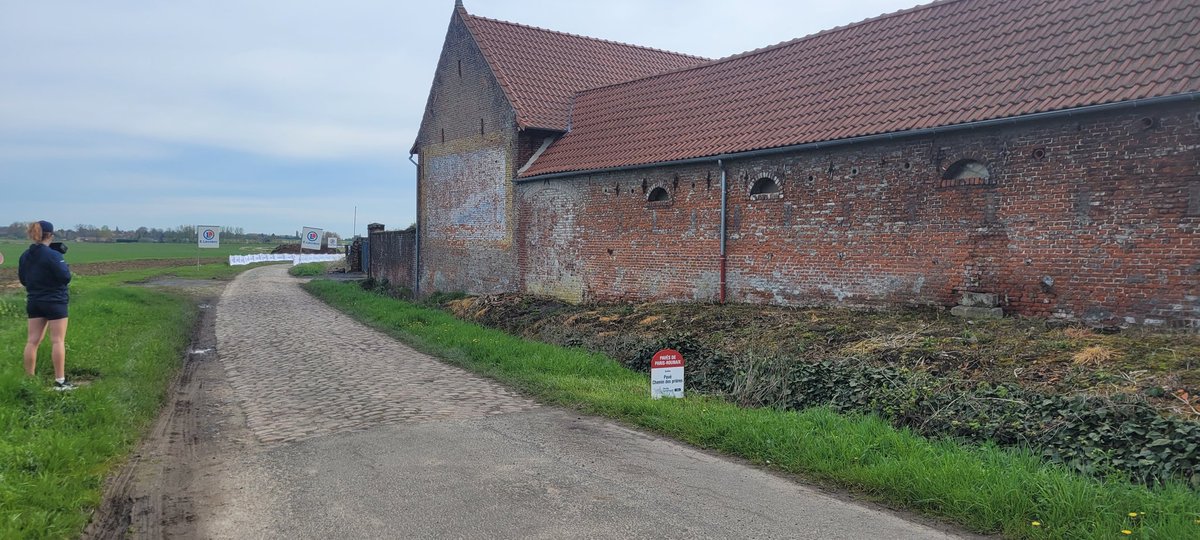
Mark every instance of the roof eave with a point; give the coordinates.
(1144, 102)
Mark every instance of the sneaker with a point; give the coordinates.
(64, 386)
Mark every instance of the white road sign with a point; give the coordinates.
(666, 374)
(333, 242)
(209, 236)
(311, 238)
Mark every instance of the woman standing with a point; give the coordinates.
(45, 276)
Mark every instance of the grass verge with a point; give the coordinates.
(309, 269)
(125, 343)
(985, 489)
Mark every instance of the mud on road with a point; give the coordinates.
(151, 495)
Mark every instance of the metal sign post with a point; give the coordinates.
(207, 237)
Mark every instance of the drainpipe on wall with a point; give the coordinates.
(724, 196)
(417, 248)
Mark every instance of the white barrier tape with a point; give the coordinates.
(239, 260)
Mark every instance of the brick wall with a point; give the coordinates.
(1090, 217)
(392, 256)
(354, 255)
(467, 145)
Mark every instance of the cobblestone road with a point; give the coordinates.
(301, 369)
(437, 452)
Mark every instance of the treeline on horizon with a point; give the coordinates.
(178, 235)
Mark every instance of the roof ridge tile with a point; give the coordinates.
(589, 38)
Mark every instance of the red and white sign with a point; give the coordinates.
(666, 374)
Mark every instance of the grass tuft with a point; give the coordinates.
(1094, 355)
(309, 269)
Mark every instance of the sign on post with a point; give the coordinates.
(209, 236)
(311, 238)
(666, 374)
(333, 242)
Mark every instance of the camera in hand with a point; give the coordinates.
(59, 247)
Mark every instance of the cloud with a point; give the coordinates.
(30, 151)
(211, 74)
(129, 108)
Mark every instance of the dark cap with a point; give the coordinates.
(47, 227)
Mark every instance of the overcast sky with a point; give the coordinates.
(273, 115)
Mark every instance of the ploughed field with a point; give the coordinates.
(92, 252)
(93, 259)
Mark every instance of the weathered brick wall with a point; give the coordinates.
(467, 146)
(354, 255)
(1091, 217)
(393, 256)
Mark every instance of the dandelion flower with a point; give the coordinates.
(1039, 524)
(1126, 531)
(1133, 514)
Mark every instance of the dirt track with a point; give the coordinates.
(152, 495)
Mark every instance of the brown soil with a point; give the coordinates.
(1162, 366)
(151, 495)
(295, 248)
(8, 276)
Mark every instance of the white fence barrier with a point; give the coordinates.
(238, 260)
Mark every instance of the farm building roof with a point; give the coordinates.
(542, 70)
(946, 63)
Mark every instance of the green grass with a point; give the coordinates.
(82, 252)
(309, 269)
(985, 489)
(126, 342)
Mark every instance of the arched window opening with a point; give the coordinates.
(967, 168)
(659, 194)
(764, 185)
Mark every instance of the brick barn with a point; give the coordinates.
(1044, 151)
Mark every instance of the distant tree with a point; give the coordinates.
(16, 230)
(86, 230)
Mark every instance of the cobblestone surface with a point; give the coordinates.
(301, 369)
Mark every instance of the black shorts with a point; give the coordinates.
(52, 311)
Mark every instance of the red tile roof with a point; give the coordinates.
(542, 70)
(941, 64)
